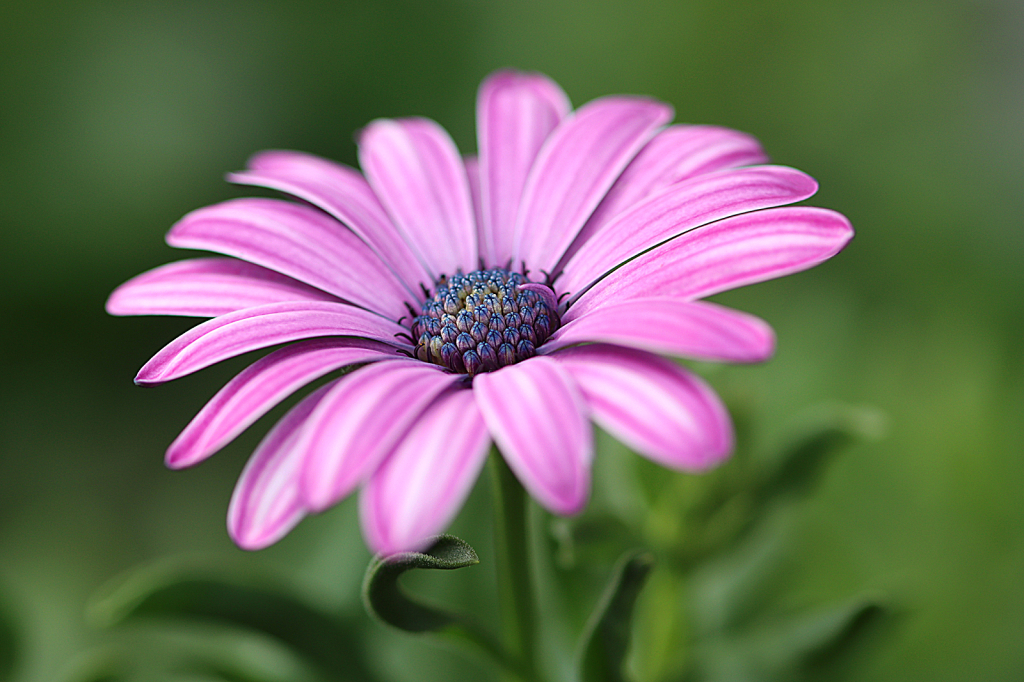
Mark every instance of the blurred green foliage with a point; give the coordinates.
(116, 118)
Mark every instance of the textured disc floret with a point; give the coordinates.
(484, 320)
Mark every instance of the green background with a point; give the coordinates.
(117, 118)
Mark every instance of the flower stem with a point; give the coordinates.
(515, 588)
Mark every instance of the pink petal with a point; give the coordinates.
(690, 329)
(207, 287)
(261, 386)
(260, 327)
(680, 208)
(473, 176)
(343, 193)
(359, 422)
(515, 113)
(652, 405)
(413, 166)
(575, 168)
(298, 241)
(676, 153)
(421, 486)
(266, 503)
(734, 252)
(539, 420)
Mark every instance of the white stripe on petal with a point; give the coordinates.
(575, 168)
(261, 327)
(745, 249)
(472, 165)
(416, 171)
(689, 329)
(207, 287)
(266, 503)
(539, 420)
(679, 208)
(652, 405)
(298, 241)
(675, 154)
(421, 486)
(261, 386)
(359, 422)
(515, 114)
(343, 193)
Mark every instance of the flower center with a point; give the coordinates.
(484, 320)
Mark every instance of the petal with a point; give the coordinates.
(515, 113)
(473, 176)
(652, 405)
(575, 168)
(413, 166)
(207, 287)
(298, 241)
(343, 193)
(539, 420)
(266, 503)
(734, 252)
(260, 327)
(689, 329)
(261, 386)
(676, 153)
(360, 421)
(421, 486)
(679, 208)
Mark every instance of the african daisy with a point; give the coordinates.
(511, 297)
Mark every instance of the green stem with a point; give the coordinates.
(515, 588)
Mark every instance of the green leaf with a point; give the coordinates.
(104, 664)
(386, 600)
(788, 651)
(606, 637)
(245, 660)
(9, 645)
(731, 591)
(185, 591)
(803, 459)
(229, 672)
(594, 539)
(823, 638)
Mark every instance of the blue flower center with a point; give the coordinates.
(484, 320)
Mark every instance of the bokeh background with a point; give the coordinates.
(116, 118)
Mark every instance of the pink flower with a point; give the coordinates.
(515, 297)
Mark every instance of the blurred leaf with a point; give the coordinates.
(662, 634)
(702, 516)
(606, 638)
(591, 539)
(185, 591)
(97, 676)
(816, 637)
(732, 591)
(230, 673)
(9, 645)
(247, 661)
(786, 652)
(98, 665)
(195, 651)
(846, 628)
(802, 460)
(584, 551)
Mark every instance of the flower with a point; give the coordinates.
(515, 296)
